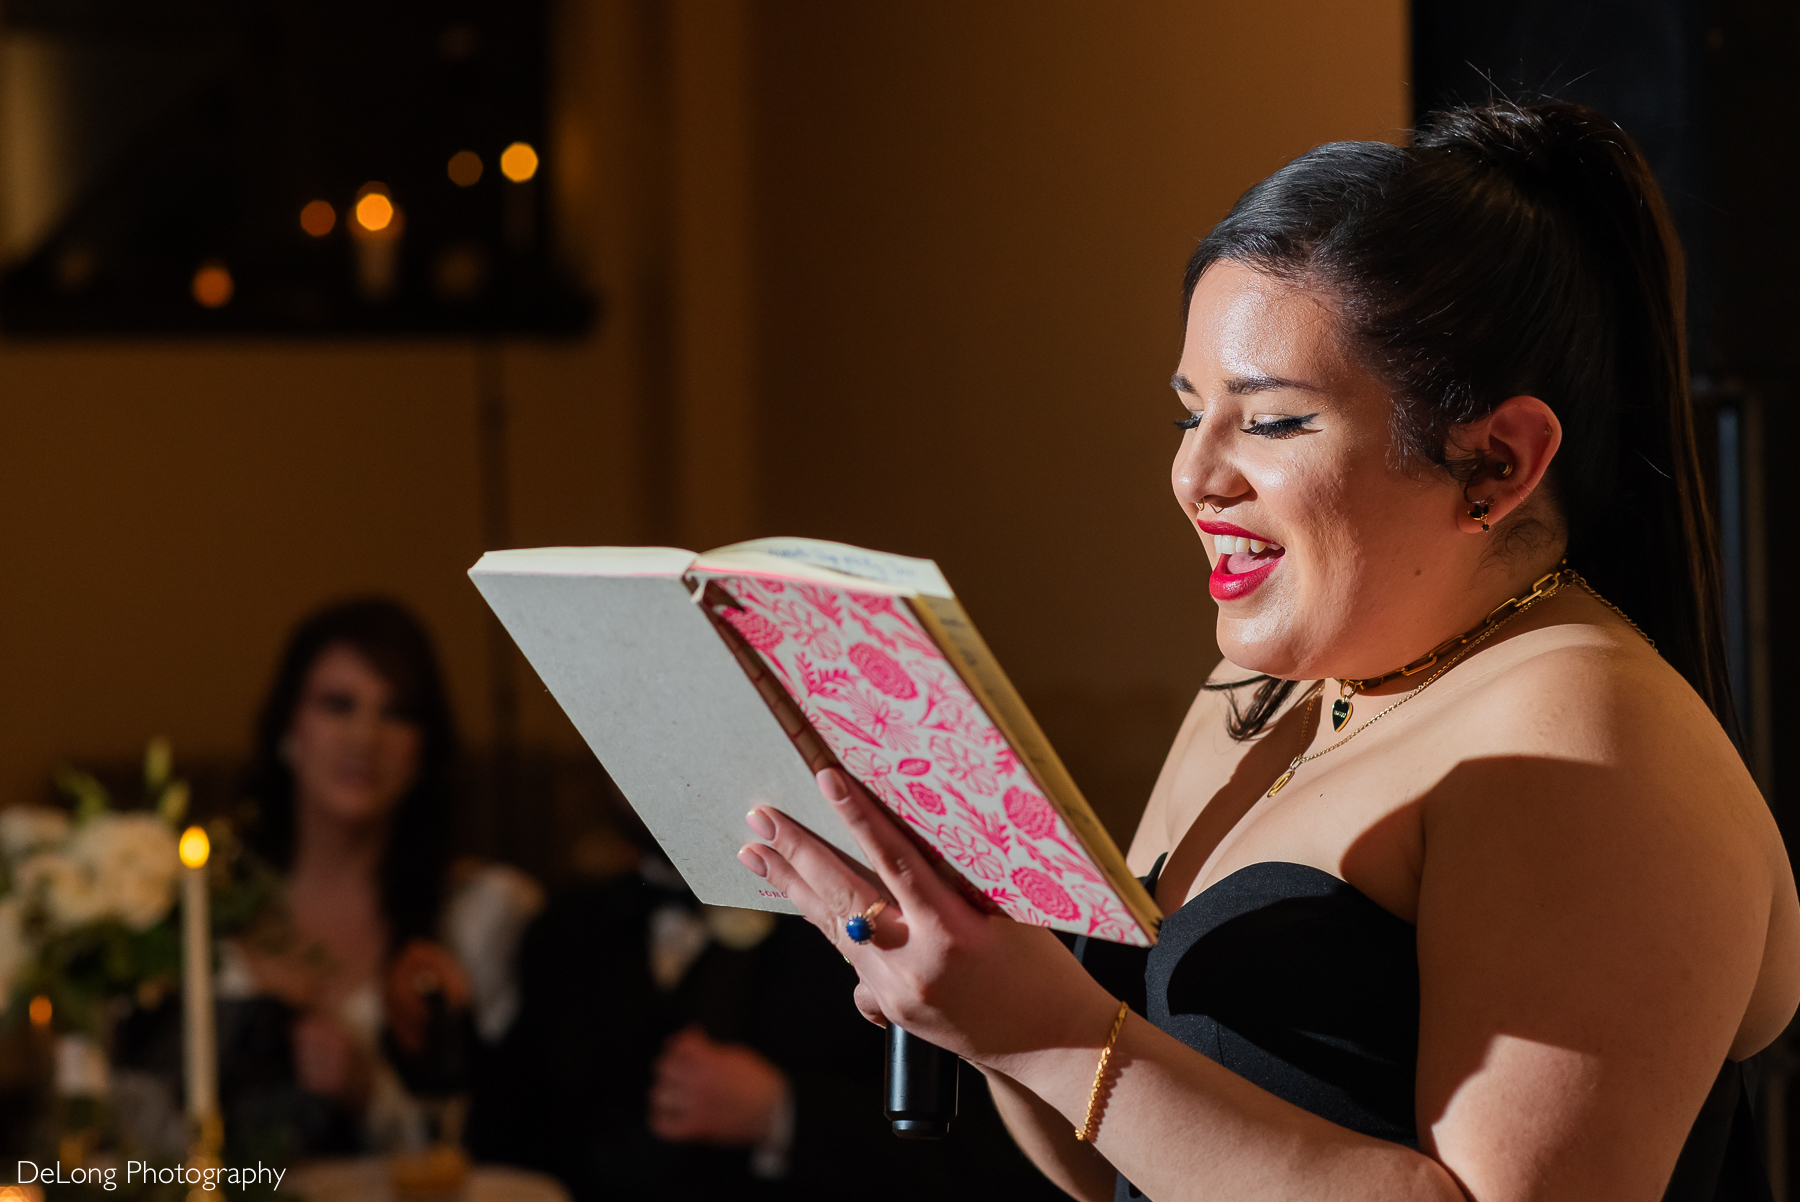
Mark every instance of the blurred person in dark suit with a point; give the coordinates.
(670, 1049)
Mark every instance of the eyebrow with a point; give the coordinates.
(1246, 385)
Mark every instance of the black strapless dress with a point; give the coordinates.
(1297, 982)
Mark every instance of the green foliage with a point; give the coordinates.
(82, 968)
(88, 794)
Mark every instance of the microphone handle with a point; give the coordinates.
(920, 1085)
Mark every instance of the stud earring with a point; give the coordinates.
(1479, 512)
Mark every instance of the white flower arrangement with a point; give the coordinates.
(115, 866)
(82, 895)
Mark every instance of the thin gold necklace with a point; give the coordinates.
(1544, 587)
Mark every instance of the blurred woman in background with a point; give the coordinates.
(351, 779)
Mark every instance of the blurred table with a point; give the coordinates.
(366, 1179)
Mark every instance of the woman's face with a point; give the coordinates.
(1290, 447)
(353, 754)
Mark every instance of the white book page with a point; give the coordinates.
(659, 697)
(588, 561)
(901, 573)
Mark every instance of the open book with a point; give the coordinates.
(710, 683)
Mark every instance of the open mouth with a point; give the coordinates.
(1245, 560)
(1240, 555)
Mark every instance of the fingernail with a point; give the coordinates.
(755, 863)
(833, 785)
(759, 822)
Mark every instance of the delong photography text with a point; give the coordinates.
(142, 1172)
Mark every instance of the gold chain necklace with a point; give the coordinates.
(1542, 588)
(1459, 644)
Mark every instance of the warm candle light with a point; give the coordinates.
(195, 847)
(374, 211)
(376, 225)
(40, 1011)
(213, 285)
(197, 985)
(318, 218)
(464, 168)
(518, 162)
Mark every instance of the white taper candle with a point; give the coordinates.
(200, 1055)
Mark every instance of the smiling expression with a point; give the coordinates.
(353, 754)
(1324, 551)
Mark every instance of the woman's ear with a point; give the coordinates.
(1515, 443)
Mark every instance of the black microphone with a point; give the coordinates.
(920, 1086)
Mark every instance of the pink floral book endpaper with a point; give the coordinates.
(878, 691)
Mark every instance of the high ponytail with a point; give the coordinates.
(1520, 250)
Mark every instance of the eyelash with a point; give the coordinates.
(1282, 428)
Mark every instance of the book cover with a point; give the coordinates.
(708, 684)
(878, 690)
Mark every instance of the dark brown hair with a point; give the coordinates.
(396, 645)
(1516, 250)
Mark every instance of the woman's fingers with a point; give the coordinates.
(768, 863)
(869, 1006)
(809, 853)
(827, 887)
(909, 876)
(885, 923)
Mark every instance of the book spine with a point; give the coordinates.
(968, 652)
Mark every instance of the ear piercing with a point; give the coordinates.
(1479, 510)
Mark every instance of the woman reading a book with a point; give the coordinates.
(1468, 893)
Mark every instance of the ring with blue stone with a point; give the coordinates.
(861, 927)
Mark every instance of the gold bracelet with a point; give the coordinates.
(1085, 1132)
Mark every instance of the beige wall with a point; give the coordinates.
(903, 275)
(972, 224)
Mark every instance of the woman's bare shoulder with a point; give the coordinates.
(1593, 705)
(1587, 753)
(1602, 695)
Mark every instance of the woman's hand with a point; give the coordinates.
(714, 1093)
(421, 969)
(328, 1061)
(981, 985)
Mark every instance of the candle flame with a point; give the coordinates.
(519, 162)
(195, 847)
(40, 1012)
(374, 212)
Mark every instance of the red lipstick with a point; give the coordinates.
(1234, 531)
(1227, 585)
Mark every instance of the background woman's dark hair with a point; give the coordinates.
(1516, 250)
(394, 643)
